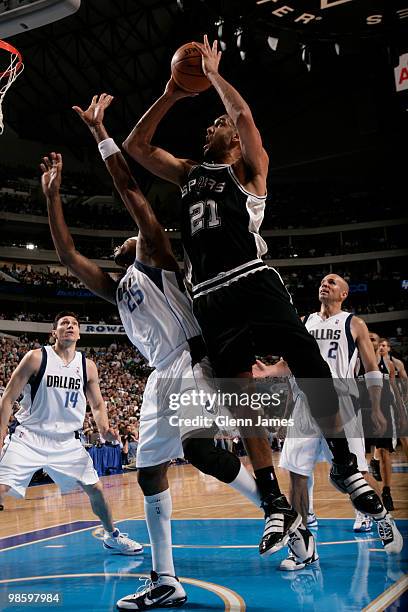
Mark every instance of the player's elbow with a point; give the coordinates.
(134, 147)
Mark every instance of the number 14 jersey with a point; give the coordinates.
(220, 228)
(54, 400)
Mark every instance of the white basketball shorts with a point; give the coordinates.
(65, 460)
(300, 454)
(167, 415)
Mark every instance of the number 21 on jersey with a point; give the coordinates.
(197, 212)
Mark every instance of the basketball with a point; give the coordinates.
(187, 71)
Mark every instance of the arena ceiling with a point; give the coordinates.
(313, 99)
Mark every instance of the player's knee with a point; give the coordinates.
(216, 462)
(93, 489)
(152, 479)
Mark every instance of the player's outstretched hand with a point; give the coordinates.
(210, 54)
(174, 91)
(94, 114)
(51, 168)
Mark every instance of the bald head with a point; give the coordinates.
(333, 288)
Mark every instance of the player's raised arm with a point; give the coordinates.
(373, 376)
(87, 271)
(26, 368)
(153, 242)
(139, 146)
(253, 153)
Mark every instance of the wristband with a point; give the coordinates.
(107, 148)
(373, 379)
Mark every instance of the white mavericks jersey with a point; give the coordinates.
(54, 400)
(337, 346)
(156, 312)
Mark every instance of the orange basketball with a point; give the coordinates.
(187, 71)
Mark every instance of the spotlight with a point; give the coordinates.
(273, 42)
(241, 42)
(30, 246)
(307, 57)
(221, 33)
(337, 48)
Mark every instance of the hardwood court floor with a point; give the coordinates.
(194, 496)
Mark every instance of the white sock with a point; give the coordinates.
(158, 509)
(310, 487)
(245, 484)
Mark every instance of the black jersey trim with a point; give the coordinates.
(350, 340)
(227, 277)
(85, 375)
(305, 318)
(35, 381)
(155, 274)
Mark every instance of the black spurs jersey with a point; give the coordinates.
(220, 228)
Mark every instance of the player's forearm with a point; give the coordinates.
(374, 393)
(61, 236)
(145, 128)
(99, 132)
(6, 407)
(100, 416)
(234, 103)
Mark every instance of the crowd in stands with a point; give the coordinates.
(328, 245)
(290, 205)
(47, 277)
(383, 292)
(122, 372)
(108, 318)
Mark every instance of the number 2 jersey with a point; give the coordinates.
(54, 400)
(337, 347)
(156, 313)
(220, 228)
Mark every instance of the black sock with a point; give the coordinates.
(340, 449)
(386, 490)
(267, 482)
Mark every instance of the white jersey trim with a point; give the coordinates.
(229, 281)
(240, 186)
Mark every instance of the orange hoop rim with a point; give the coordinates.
(7, 47)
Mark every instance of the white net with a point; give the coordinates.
(8, 75)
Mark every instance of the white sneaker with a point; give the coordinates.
(391, 538)
(119, 544)
(302, 551)
(363, 523)
(161, 591)
(312, 522)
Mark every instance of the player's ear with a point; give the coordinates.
(235, 139)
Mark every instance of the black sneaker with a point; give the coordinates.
(387, 499)
(1, 507)
(348, 479)
(161, 591)
(280, 520)
(375, 469)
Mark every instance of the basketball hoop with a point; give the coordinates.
(8, 76)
